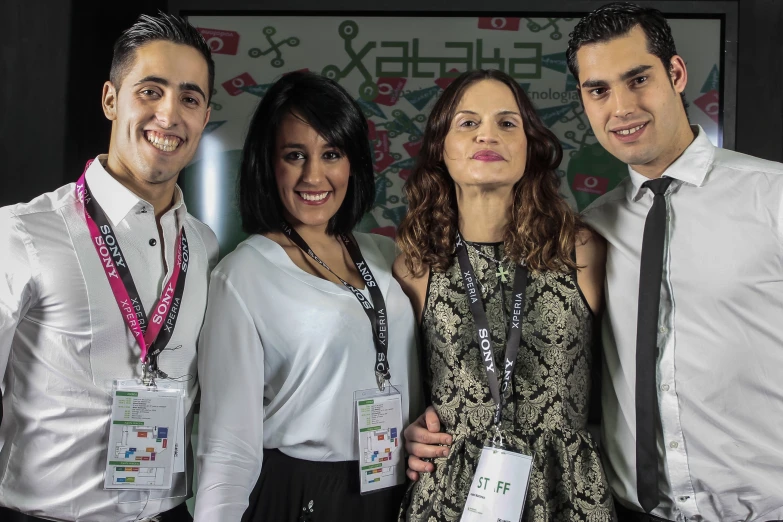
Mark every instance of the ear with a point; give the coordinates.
(678, 73)
(206, 117)
(109, 101)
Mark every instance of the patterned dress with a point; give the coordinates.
(546, 408)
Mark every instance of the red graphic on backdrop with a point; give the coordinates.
(389, 90)
(234, 85)
(382, 151)
(590, 184)
(445, 82)
(710, 104)
(499, 24)
(219, 41)
(413, 147)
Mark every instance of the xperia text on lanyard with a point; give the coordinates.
(514, 333)
(376, 311)
(152, 334)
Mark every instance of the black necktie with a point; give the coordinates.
(646, 343)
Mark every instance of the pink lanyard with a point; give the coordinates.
(164, 315)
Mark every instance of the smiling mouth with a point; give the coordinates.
(628, 132)
(163, 142)
(313, 196)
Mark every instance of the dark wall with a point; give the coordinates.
(33, 75)
(760, 79)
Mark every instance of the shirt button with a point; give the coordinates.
(665, 387)
(153, 242)
(673, 445)
(683, 499)
(662, 329)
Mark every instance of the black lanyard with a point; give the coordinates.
(166, 322)
(514, 334)
(376, 311)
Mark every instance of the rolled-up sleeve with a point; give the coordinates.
(230, 437)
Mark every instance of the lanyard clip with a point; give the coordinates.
(148, 374)
(497, 437)
(381, 379)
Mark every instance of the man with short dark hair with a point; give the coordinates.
(104, 286)
(692, 333)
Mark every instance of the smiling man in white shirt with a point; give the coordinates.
(79, 314)
(692, 332)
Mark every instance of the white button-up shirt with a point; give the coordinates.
(720, 340)
(281, 355)
(63, 342)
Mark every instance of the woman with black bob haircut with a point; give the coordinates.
(302, 316)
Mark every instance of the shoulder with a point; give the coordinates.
(45, 203)
(415, 287)
(382, 245)
(590, 247)
(607, 201)
(208, 238)
(736, 161)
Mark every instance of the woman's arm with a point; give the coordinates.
(231, 422)
(591, 257)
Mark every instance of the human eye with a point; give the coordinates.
(332, 155)
(598, 92)
(294, 155)
(640, 80)
(508, 124)
(149, 92)
(468, 123)
(191, 100)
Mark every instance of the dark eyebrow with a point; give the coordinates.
(184, 86)
(293, 146)
(592, 84)
(501, 113)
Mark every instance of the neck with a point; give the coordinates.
(483, 213)
(159, 195)
(314, 235)
(681, 140)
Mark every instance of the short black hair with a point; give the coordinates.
(618, 19)
(147, 29)
(333, 114)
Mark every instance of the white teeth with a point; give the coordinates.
(626, 132)
(165, 143)
(313, 197)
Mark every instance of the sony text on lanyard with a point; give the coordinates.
(376, 311)
(514, 334)
(152, 334)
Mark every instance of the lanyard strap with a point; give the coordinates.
(376, 311)
(152, 334)
(514, 334)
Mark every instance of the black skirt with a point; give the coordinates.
(295, 490)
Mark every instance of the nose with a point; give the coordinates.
(312, 171)
(167, 111)
(624, 103)
(487, 133)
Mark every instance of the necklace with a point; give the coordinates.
(501, 271)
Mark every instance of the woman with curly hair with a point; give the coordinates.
(487, 236)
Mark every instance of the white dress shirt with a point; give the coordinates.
(63, 342)
(281, 354)
(720, 340)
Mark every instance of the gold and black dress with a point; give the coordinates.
(545, 412)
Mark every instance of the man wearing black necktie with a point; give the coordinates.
(692, 334)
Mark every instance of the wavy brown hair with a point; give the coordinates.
(542, 228)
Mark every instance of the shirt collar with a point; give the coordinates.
(116, 200)
(691, 167)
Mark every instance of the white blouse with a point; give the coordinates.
(280, 356)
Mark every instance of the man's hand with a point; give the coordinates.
(422, 439)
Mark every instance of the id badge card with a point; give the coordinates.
(379, 428)
(499, 487)
(145, 431)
